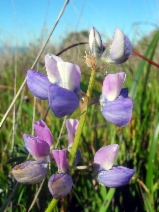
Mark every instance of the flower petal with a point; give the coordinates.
(71, 125)
(43, 132)
(70, 75)
(62, 101)
(119, 111)
(123, 93)
(115, 177)
(120, 49)
(60, 185)
(29, 172)
(105, 157)
(112, 85)
(38, 84)
(38, 148)
(52, 69)
(60, 157)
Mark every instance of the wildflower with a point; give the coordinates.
(116, 105)
(31, 172)
(61, 85)
(109, 175)
(60, 184)
(119, 50)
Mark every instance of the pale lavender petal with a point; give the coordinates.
(112, 85)
(105, 157)
(38, 84)
(123, 93)
(60, 185)
(30, 172)
(121, 48)
(60, 157)
(71, 125)
(70, 75)
(52, 69)
(115, 177)
(38, 148)
(43, 132)
(95, 42)
(119, 111)
(62, 101)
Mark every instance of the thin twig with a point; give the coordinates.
(63, 124)
(34, 200)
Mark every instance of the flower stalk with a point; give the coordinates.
(82, 118)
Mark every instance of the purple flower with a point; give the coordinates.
(43, 132)
(109, 175)
(116, 105)
(30, 172)
(61, 85)
(39, 148)
(119, 50)
(60, 184)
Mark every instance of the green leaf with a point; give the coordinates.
(107, 200)
(149, 54)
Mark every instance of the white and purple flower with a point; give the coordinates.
(109, 175)
(61, 85)
(115, 103)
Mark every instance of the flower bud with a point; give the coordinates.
(95, 43)
(115, 177)
(60, 185)
(71, 125)
(119, 50)
(29, 172)
(60, 157)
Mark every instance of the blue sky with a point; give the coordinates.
(25, 19)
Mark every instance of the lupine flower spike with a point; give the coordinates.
(115, 103)
(61, 85)
(109, 175)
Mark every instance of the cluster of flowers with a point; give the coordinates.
(61, 87)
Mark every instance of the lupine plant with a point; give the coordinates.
(60, 86)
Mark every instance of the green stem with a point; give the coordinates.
(82, 118)
(52, 204)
